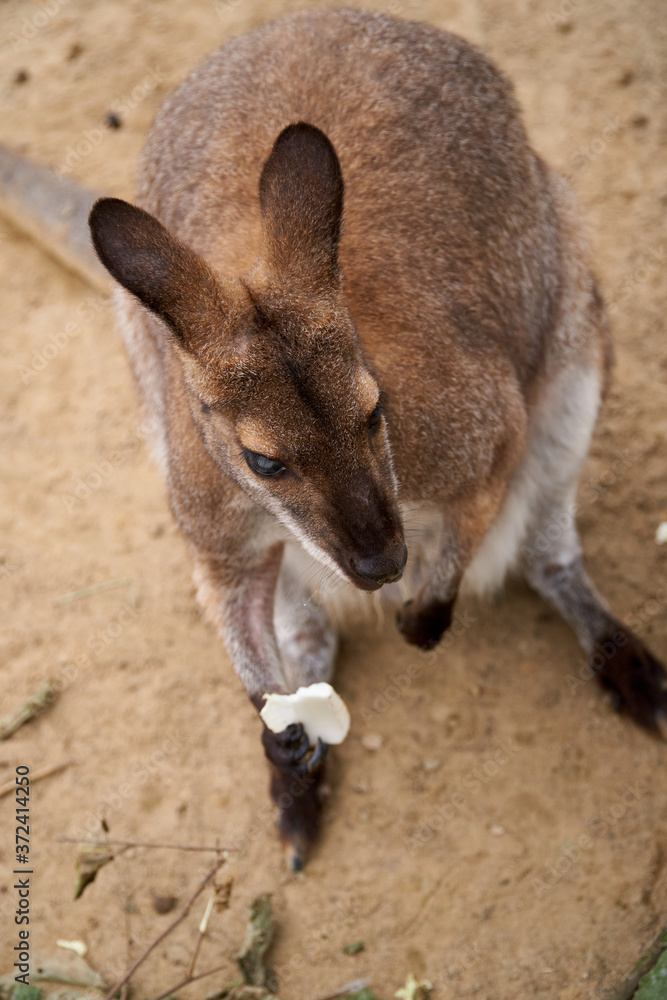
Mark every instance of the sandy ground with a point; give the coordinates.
(508, 838)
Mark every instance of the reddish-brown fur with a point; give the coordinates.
(394, 302)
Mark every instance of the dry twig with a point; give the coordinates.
(179, 919)
(202, 930)
(190, 979)
(28, 710)
(45, 772)
(95, 588)
(106, 842)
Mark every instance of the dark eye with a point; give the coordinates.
(375, 418)
(262, 465)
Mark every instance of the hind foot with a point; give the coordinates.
(634, 679)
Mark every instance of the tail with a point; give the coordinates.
(53, 211)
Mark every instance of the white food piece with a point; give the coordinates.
(661, 533)
(320, 710)
(79, 947)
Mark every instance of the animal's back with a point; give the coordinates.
(451, 251)
(445, 203)
(475, 391)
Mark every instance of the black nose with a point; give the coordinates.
(384, 568)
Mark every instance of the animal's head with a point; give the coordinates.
(280, 390)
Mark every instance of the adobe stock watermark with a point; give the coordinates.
(91, 138)
(401, 681)
(561, 17)
(59, 341)
(142, 773)
(97, 642)
(572, 853)
(403, 8)
(591, 667)
(7, 568)
(30, 26)
(313, 943)
(91, 480)
(222, 7)
(450, 975)
(266, 821)
(457, 803)
(590, 151)
(649, 262)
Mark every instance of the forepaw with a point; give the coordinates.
(291, 752)
(424, 627)
(635, 680)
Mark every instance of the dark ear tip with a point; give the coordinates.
(105, 209)
(303, 135)
(298, 130)
(308, 149)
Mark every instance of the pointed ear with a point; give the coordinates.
(301, 199)
(168, 277)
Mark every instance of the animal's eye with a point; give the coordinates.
(375, 418)
(262, 465)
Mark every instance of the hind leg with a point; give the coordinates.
(562, 431)
(620, 661)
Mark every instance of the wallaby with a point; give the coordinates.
(358, 298)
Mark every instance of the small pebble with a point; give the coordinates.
(372, 741)
(164, 904)
(21, 76)
(497, 831)
(113, 120)
(440, 713)
(661, 533)
(431, 765)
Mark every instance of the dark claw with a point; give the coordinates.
(635, 681)
(288, 750)
(296, 741)
(319, 753)
(296, 857)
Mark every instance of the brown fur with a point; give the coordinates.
(392, 300)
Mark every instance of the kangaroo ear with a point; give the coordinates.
(168, 277)
(301, 199)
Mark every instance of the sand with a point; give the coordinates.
(507, 836)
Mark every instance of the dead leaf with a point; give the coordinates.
(65, 967)
(414, 990)
(259, 935)
(88, 863)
